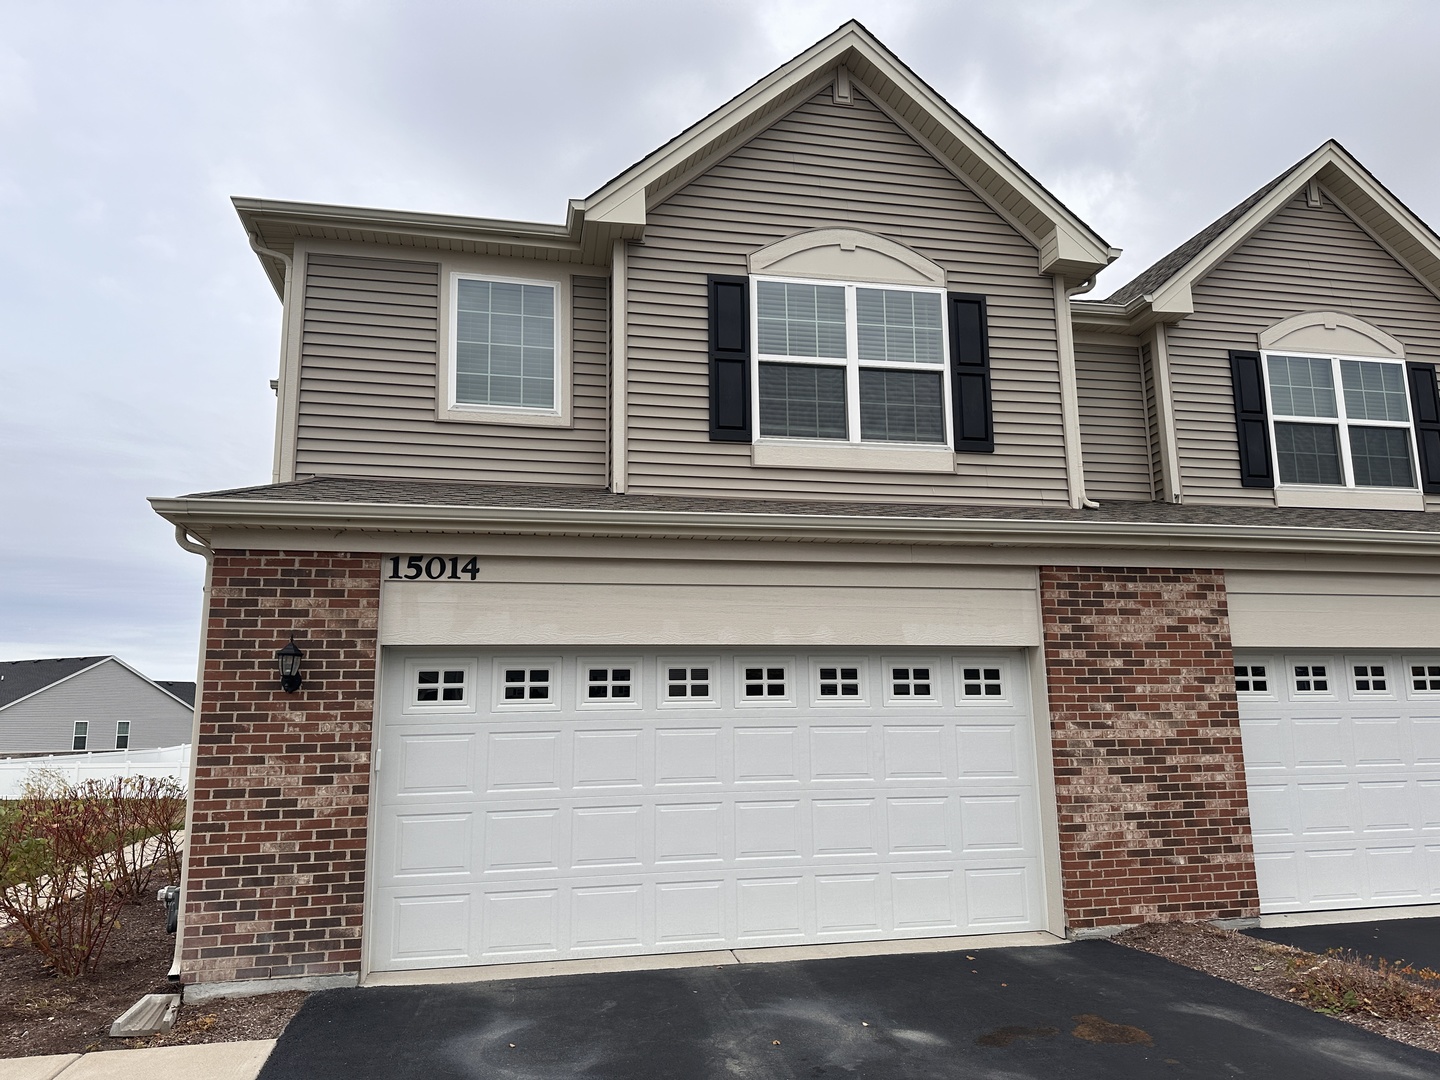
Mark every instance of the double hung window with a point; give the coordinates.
(850, 363)
(1340, 422)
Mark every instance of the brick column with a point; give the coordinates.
(1149, 773)
(282, 781)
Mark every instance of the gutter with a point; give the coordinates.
(201, 516)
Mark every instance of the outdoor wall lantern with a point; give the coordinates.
(288, 660)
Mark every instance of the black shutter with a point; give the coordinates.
(1425, 397)
(729, 359)
(970, 374)
(1252, 428)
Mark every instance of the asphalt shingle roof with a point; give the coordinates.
(21, 678)
(1162, 271)
(185, 691)
(383, 492)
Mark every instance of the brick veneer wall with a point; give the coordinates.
(282, 781)
(1149, 773)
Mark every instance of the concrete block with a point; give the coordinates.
(150, 1015)
(255, 987)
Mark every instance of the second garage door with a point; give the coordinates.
(537, 806)
(1342, 760)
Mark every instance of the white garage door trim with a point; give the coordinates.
(1342, 763)
(558, 805)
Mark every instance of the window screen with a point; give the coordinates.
(1308, 454)
(1301, 386)
(1381, 457)
(1374, 391)
(802, 401)
(901, 406)
(504, 344)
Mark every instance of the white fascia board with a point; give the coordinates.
(73, 674)
(1080, 242)
(201, 515)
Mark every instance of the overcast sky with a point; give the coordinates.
(138, 333)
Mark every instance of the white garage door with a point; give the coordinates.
(537, 807)
(1342, 759)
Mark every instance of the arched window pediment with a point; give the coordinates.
(1331, 333)
(846, 255)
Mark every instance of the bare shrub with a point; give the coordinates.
(1343, 982)
(142, 815)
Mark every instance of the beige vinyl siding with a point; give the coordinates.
(368, 384)
(826, 165)
(1152, 419)
(1301, 260)
(102, 696)
(1114, 435)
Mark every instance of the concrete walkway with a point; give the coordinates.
(205, 1061)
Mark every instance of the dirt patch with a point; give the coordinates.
(1097, 1029)
(1349, 989)
(43, 1014)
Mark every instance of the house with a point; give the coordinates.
(77, 703)
(788, 549)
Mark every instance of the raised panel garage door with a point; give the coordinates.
(1342, 761)
(547, 806)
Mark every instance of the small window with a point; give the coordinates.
(687, 683)
(981, 682)
(839, 682)
(122, 734)
(1312, 679)
(763, 682)
(1370, 678)
(911, 682)
(1251, 679)
(505, 343)
(609, 684)
(1425, 678)
(440, 686)
(82, 734)
(525, 684)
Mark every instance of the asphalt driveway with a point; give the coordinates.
(1415, 941)
(1088, 1009)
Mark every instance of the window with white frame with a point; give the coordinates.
(504, 344)
(82, 735)
(1340, 422)
(850, 362)
(122, 734)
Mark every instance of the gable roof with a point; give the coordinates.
(1165, 285)
(618, 209)
(1067, 245)
(21, 678)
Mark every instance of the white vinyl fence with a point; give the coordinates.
(173, 761)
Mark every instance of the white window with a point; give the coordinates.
(1251, 679)
(1425, 678)
(683, 682)
(850, 363)
(911, 683)
(1370, 679)
(763, 680)
(122, 734)
(604, 683)
(980, 682)
(505, 355)
(1311, 678)
(82, 734)
(1340, 422)
(525, 684)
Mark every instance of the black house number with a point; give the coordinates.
(433, 568)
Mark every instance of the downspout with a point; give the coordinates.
(183, 538)
(284, 462)
(1070, 393)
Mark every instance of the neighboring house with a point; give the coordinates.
(89, 703)
(723, 567)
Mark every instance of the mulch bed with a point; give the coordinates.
(41, 1013)
(1397, 1008)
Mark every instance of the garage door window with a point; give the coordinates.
(764, 681)
(610, 683)
(1312, 679)
(911, 682)
(1425, 678)
(981, 682)
(1370, 679)
(525, 684)
(1251, 679)
(440, 686)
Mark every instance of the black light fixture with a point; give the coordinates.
(288, 660)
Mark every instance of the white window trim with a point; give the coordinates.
(82, 737)
(1322, 495)
(447, 408)
(852, 365)
(122, 734)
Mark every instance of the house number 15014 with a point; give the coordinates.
(432, 568)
